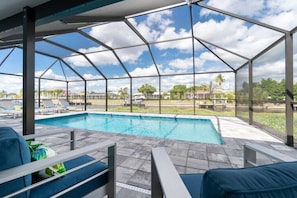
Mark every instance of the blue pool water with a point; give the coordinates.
(188, 129)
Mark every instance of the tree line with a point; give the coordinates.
(179, 91)
(266, 90)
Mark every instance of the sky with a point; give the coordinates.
(174, 57)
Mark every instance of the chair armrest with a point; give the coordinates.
(26, 169)
(165, 178)
(70, 132)
(32, 136)
(250, 154)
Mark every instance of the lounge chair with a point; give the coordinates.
(39, 110)
(278, 180)
(7, 107)
(84, 176)
(65, 104)
(51, 107)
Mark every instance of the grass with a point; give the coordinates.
(276, 121)
(174, 110)
(167, 107)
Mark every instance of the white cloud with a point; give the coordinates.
(180, 65)
(146, 31)
(234, 60)
(50, 74)
(223, 32)
(12, 84)
(116, 34)
(92, 49)
(15, 84)
(160, 26)
(160, 19)
(244, 7)
(151, 70)
(284, 20)
(102, 58)
(234, 35)
(207, 56)
(184, 46)
(279, 13)
(50, 85)
(77, 61)
(165, 70)
(282, 5)
(169, 82)
(157, 26)
(77, 86)
(91, 76)
(199, 62)
(131, 55)
(183, 65)
(172, 33)
(98, 58)
(276, 71)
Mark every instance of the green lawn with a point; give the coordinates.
(275, 121)
(167, 107)
(174, 110)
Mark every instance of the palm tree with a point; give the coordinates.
(3, 94)
(123, 92)
(220, 79)
(210, 88)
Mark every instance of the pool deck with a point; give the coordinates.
(133, 152)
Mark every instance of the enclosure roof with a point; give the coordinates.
(99, 40)
(58, 16)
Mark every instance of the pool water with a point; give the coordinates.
(188, 129)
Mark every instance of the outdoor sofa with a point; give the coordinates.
(277, 180)
(84, 176)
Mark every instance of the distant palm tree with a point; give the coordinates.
(3, 94)
(220, 79)
(210, 88)
(123, 92)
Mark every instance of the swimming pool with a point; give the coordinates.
(188, 129)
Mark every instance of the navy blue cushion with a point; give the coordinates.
(71, 179)
(13, 152)
(274, 180)
(192, 182)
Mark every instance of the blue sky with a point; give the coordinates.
(171, 57)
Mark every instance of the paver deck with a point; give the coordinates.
(133, 152)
